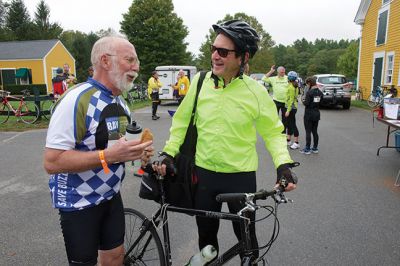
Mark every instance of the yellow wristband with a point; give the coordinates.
(103, 162)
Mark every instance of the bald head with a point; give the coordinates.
(107, 45)
(281, 71)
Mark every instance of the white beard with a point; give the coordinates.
(120, 80)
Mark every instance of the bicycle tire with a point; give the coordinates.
(373, 100)
(4, 113)
(46, 107)
(149, 250)
(29, 112)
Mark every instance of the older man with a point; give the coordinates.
(231, 108)
(182, 85)
(86, 168)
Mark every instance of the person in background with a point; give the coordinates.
(59, 83)
(90, 72)
(312, 115)
(291, 110)
(154, 85)
(231, 109)
(182, 85)
(247, 69)
(278, 84)
(86, 169)
(69, 77)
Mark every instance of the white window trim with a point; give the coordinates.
(54, 72)
(398, 79)
(381, 10)
(387, 3)
(391, 53)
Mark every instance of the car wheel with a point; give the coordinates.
(346, 105)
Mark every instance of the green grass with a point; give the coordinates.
(13, 125)
(360, 104)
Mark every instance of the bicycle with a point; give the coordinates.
(47, 106)
(143, 245)
(27, 111)
(138, 92)
(376, 97)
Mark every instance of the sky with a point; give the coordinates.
(285, 20)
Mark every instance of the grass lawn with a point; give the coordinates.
(360, 104)
(13, 125)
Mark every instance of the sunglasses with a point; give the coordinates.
(222, 52)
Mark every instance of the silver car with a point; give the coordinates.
(336, 89)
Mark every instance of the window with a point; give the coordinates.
(383, 19)
(7, 76)
(384, 2)
(389, 68)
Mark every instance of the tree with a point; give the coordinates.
(265, 43)
(44, 30)
(157, 33)
(18, 22)
(80, 45)
(348, 62)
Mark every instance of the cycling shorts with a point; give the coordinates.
(96, 228)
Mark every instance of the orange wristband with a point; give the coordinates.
(103, 162)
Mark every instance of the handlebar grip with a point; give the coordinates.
(230, 197)
(263, 194)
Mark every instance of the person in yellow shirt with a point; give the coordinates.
(153, 88)
(182, 85)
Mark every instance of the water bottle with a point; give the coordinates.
(134, 131)
(205, 255)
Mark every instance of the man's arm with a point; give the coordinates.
(73, 161)
(269, 73)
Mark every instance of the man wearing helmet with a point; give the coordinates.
(231, 107)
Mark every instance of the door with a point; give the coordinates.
(377, 78)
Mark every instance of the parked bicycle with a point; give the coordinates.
(376, 97)
(27, 111)
(358, 93)
(137, 93)
(47, 106)
(144, 247)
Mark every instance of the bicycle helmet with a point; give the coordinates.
(292, 76)
(241, 33)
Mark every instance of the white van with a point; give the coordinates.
(168, 77)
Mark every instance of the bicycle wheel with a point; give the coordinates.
(4, 113)
(46, 107)
(373, 100)
(149, 250)
(29, 112)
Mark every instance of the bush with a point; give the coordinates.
(35, 89)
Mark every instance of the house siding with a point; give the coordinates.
(369, 47)
(35, 66)
(57, 57)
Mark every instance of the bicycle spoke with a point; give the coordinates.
(4, 113)
(29, 112)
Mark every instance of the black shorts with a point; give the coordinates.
(96, 228)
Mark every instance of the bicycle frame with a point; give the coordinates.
(17, 111)
(161, 217)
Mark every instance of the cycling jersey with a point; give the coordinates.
(87, 118)
(279, 87)
(291, 100)
(227, 119)
(183, 85)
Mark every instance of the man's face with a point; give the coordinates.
(66, 68)
(125, 67)
(281, 71)
(225, 67)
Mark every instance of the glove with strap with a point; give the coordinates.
(169, 162)
(285, 175)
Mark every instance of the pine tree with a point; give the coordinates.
(43, 28)
(18, 22)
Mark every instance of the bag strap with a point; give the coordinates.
(199, 85)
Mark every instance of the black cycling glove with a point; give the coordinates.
(169, 162)
(285, 175)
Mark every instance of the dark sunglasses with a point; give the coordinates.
(222, 52)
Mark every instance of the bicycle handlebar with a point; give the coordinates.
(235, 197)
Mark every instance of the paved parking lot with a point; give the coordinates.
(345, 210)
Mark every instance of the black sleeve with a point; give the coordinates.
(308, 98)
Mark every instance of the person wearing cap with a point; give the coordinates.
(153, 87)
(59, 83)
(231, 108)
(291, 110)
(182, 86)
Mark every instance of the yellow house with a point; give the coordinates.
(379, 54)
(33, 62)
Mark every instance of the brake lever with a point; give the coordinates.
(279, 197)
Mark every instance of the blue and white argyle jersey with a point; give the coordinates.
(88, 118)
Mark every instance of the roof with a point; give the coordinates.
(362, 12)
(26, 49)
